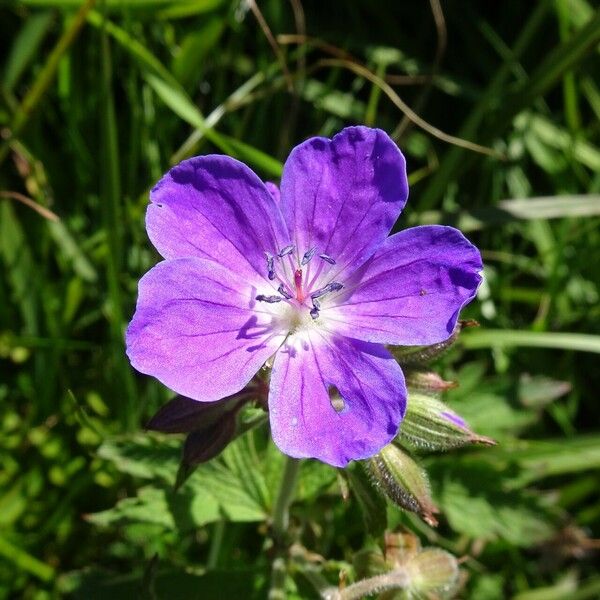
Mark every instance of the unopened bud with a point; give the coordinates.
(430, 425)
(206, 443)
(427, 381)
(432, 573)
(418, 356)
(182, 415)
(403, 481)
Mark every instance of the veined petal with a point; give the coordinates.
(412, 289)
(343, 195)
(215, 207)
(198, 329)
(312, 368)
(273, 189)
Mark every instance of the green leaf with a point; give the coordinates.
(335, 102)
(540, 459)
(143, 456)
(25, 46)
(473, 500)
(188, 510)
(372, 504)
(539, 391)
(235, 480)
(314, 480)
(149, 506)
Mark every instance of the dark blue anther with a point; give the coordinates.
(314, 311)
(283, 291)
(269, 299)
(285, 251)
(327, 258)
(334, 286)
(270, 266)
(308, 255)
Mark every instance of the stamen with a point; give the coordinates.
(308, 255)
(334, 286)
(270, 266)
(285, 251)
(327, 258)
(269, 299)
(283, 291)
(314, 311)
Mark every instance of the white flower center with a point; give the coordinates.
(299, 286)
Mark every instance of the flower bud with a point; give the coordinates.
(430, 425)
(432, 573)
(182, 415)
(427, 381)
(204, 444)
(418, 356)
(402, 481)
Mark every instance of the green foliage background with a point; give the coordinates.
(94, 107)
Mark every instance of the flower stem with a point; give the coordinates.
(393, 580)
(280, 524)
(284, 499)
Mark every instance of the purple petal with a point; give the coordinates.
(309, 372)
(344, 195)
(273, 190)
(215, 207)
(412, 290)
(197, 329)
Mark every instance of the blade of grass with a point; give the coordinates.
(112, 220)
(188, 8)
(572, 115)
(402, 106)
(24, 561)
(494, 91)
(25, 46)
(507, 211)
(45, 76)
(506, 338)
(114, 4)
(561, 60)
(176, 98)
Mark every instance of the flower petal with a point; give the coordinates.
(198, 330)
(304, 423)
(412, 290)
(273, 190)
(344, 195)
(215, 207)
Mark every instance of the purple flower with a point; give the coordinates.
(307, 281)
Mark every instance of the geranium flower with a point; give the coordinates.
(306, 281)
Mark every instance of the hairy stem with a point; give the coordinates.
(397, 579)
(284, 499)
(280, 525)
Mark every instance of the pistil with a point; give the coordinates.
(303, 282)
(298, 283)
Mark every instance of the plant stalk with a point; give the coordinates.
(280, 523)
